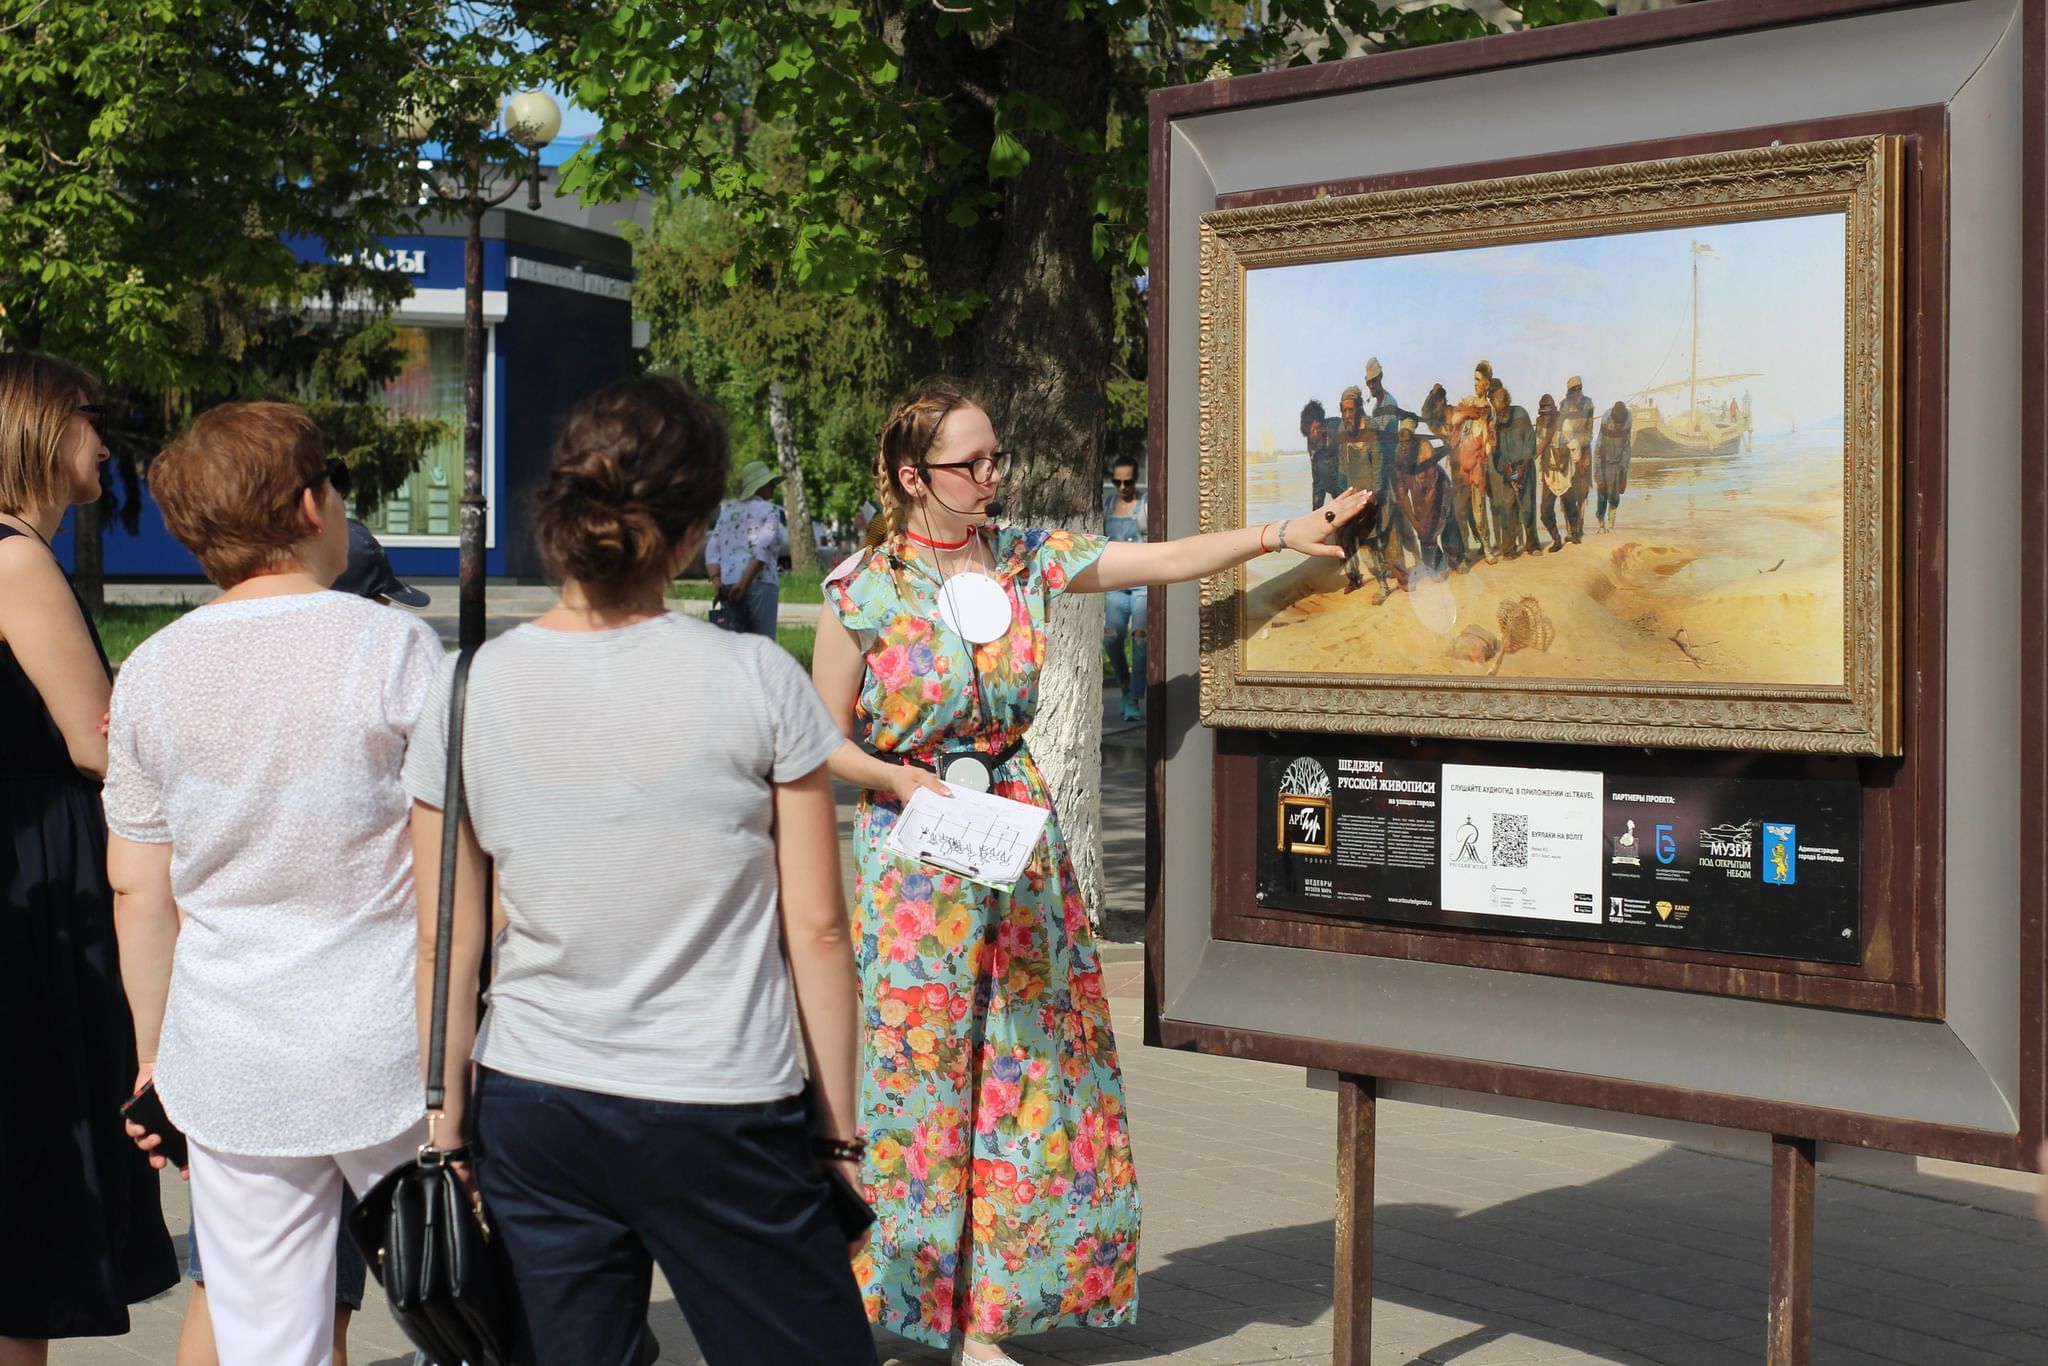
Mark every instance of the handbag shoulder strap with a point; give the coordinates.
(451, 842)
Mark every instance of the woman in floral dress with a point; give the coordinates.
(998, 1148)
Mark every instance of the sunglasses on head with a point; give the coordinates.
(334, 472)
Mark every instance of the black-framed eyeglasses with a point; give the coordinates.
(334, 472)
(981, 469)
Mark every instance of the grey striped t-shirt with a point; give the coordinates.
(622, 782)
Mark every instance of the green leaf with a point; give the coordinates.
(1006, 157)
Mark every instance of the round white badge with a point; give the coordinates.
(967, 772)
(975, 606)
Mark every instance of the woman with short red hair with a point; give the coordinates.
(262, 873)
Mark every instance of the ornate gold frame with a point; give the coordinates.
(1859, 177)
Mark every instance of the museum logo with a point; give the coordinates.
(1625, 850)
(1729, 840)
(1465, 850)
(1304, 809)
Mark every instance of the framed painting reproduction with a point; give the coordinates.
(1632, 434)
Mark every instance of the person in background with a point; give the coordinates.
(743, 556)
(1383, 412)
(367, 575)
(654, 794)
(999, 1152)
(262, 875)
(1320, 432)
(1554, 473)
(1123, 609)
(1576, 419)
(82, 1235)
(1422, 491)
(1513, 482)
(1610, 463)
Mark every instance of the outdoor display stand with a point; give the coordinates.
(1471, 812)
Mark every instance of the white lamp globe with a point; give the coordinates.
(532, 118)
(415, 121)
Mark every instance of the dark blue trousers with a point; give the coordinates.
(592, 1191)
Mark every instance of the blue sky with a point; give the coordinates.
(1613, 309)
(577, 122)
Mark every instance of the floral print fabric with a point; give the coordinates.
(747, 529)
(999, 1158)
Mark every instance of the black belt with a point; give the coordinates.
(971, 768)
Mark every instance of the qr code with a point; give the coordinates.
(1510, 841)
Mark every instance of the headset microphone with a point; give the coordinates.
(994, 508)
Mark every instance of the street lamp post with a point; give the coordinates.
(531, 120)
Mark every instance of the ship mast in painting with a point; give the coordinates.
(1694, 431)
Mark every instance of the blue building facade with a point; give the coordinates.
(558, 324)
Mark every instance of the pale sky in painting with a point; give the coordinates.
(1613, 309)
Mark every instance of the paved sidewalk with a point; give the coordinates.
(1499, 1240)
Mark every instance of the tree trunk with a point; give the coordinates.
(1040, 353)
(803, 548)
(88, 554)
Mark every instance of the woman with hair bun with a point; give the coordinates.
(654, 794)
(81, 1234)
(999, 1157)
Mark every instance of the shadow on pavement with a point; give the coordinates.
(1654, 1264)
(1664, 1262)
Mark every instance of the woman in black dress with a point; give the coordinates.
(81, 1233)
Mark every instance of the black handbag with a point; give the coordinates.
(444, 1270)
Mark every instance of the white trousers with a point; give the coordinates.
(268, 1226)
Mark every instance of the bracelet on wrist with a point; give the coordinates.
(1264, 527)
(838, 1149)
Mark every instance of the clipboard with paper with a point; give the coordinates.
(982, 837)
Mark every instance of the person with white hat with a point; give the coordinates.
(743, 557)
(1385, 412)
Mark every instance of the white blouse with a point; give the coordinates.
(263, 740)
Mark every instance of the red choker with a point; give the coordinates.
(960, 544)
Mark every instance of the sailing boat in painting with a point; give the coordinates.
(1712, 425)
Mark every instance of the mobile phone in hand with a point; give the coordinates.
(146, 1108)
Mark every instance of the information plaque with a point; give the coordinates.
(1767, 866)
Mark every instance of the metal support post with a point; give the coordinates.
(1791, 1310)
(1357, 1137)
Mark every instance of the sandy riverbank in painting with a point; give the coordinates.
(1724, 572)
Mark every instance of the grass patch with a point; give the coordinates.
(798, 640)
(796, 587)
(125, 625)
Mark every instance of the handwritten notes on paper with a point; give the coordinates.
(984, 838)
